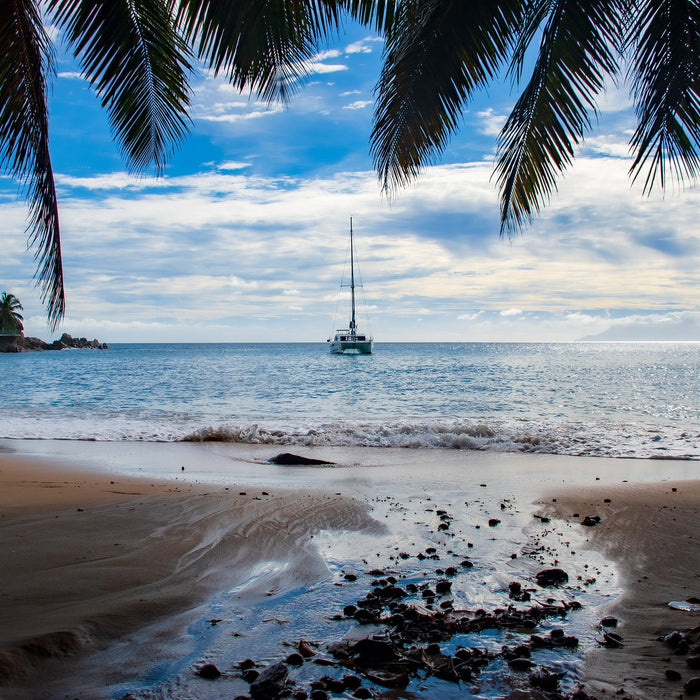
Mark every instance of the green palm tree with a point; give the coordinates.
(138, 54)
(10, 317)
(440, 52)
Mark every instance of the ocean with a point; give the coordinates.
(637, 400)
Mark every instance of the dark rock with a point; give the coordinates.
(608, 622)
(362, 693)
(692, 687)
(319, 694)
(443, 586)
(289, 458)
(590, 520)
(352, 682)
(547, 681)
(552, 577)
(295, 659)
(248, 663)
(20, 343)
(209, 671)
(371, 652)
(249, 675)
(270, 683)
(693, 662)
(305, 649)
(493, 522)
(672, 675)
(520, 663)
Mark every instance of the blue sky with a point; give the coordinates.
(245, 237)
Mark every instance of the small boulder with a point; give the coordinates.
(209, 671)
(552, 577)
(292, 459)
(271, 683)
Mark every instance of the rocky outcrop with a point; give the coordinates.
(20, 343)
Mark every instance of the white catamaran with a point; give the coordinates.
(349, 339)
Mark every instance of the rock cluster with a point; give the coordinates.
(686, 644)
(20, 343)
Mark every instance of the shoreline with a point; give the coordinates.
(651, 532)
(271, 537)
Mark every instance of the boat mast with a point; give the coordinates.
(352, 282)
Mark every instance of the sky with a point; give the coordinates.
(245, 237)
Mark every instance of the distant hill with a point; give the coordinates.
(685, 328)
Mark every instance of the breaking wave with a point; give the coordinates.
(577, 439)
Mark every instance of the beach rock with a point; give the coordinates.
(692, 687)
(352, 682)
(373, 652)
(292, 459)
(362, 693)
(271, 683)
(295, 659)
(608, 622)
(520, 663)
(672, 675)
(693, 662)
(443, 586)
(305, 649)
(209, 671)
(493, 522)
(590, 520)
(551, 577)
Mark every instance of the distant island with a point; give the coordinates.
(17, 342)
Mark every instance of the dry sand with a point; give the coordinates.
(652, 532)
(88, 556)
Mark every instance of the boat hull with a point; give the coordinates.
(356, 347)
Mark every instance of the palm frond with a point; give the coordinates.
(24, 149)
(666, 88)
(379, 14)
(438, 52)
(578, 49)
(138, 64)
(259, 45)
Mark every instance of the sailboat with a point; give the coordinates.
(350, 340)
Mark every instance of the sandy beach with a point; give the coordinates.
(130, 568)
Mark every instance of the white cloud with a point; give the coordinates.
(366, 45)
(490, 122)
(322, 68)
(241, 242)
(358, 104)
(239, 283)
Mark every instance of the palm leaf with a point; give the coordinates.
(137, 63)
(666, 86)
(259, 45)
(438, 53)
(579, 46)
(24, 148)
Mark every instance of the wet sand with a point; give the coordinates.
(112, 549)
(652, 532)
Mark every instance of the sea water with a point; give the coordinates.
(598, 399)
